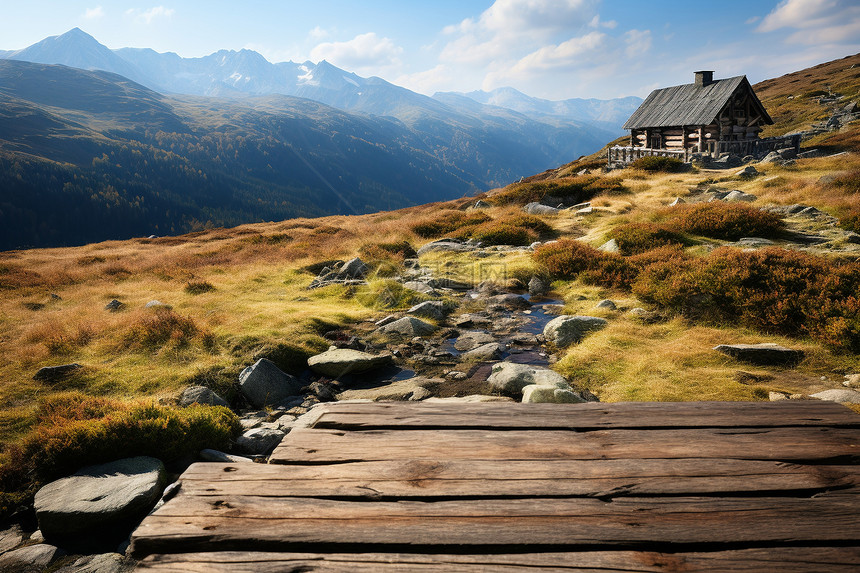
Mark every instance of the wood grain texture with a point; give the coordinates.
(402, 415)
(784, 444)
(783, 559)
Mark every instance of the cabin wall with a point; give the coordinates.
(676, 137)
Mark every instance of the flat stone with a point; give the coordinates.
(434, 309)
(840, 395)
(101, 563)
(766, 353)
(353, 269)
(259, 441)
(539, 209)
(408, 326)
(472, 399)
(753, 242)
(444, 245)
(421, 287)
(412, 389)
(201, 395)
(30, 559)
(511, 378)
(10, 538)
(154, 304)
(509, 300)
(56, 373)
(387, 320)
(473, 339)
(610, 246)
(736, 195)
(777, 396)
(265, 384)
(566, 329)
(101, 500)
(208, 455)
(114, 306)
(549, 394)
(489, 351)
(340, 361)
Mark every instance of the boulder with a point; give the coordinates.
(434, 309)
(540, 209)
(114, 306)
(753, 242)
(607, 304)
(548, 394)
(421, 287)
(340, 361)
(265, 384)
(201, 395)
(765, 354)
(259, 441)
(30, 559)
(101, 563)
(154, 304)
(537, 287)
(748, 171)
(216, 456)
(56, 373)
(841, 395)
(10, 538)
(772, 157)
(610, 246)
(411, 389)
(509, 300)
(472, 339)
(489, 351)
(739, 196)
(407, 326)
(565, 330)
(480, 204)
(511, 378)
(353, 269)
(99, 504)
(444, 245)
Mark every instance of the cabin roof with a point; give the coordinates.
(689, 104)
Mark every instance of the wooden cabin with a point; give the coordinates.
(707, 116)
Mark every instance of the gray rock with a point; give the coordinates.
(154, 304)
(739, 196)
(353, 269)
(772, 157)
(489, 351)
(840, 395)
(105, 499)
(539, 209)
(511, 378)
(340, 361)
(585, 211)
(421, 287)
(114, 306)
(56, 373)
(538, 287)
(479, 204)
(766, 353)
(216, 456)
(444, 245)
(471, 399)
(10, 538)
(264, 383)
(412, 389)
(408, 326)
(472, 339)
(101, 563)
(259, 441)
(509, 300)
(456, 375)
(548, 394)
(434, 309)
(753, 242)
(201, 395)
(676, 202)
(646, 316)
(30, 559)
(387, 320)
(610, 246)
(777, 396)
(607, 304)
(565, 330)
(748, 171)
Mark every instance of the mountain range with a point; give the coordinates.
(255, 140)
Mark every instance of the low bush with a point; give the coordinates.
(391, 252)
(566, 258)
(74, 430)
(510, 230)
(446, 222)
(199, 287)
(635, 238)
(153, 330)
(851, 221)
(727, 221)
(659, 164)
(572, 189)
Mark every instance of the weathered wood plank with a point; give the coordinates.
(785, 444)
(194, 523)
(496, 478)
(377, 415)
(782, 559)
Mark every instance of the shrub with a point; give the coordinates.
(446, 222)
(199, 287)
(851, 221)
(728, 221)
(74, 430)
(391, 252)
(572, 189)
(634, 238)
(165, 328)
(566, 258)
(511, 230)
(658, 164)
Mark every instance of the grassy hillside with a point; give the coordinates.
(235, 295)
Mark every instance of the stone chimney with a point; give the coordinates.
(704, 78)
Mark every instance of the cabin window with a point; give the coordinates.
(656, 141)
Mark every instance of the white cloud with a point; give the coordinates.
(318, 34)
(148, 16)
(365, 52)
(438, 78)
(816, 21)
(94, 13)
(638, 42)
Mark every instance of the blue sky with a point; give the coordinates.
(554, 49)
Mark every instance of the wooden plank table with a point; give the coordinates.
(413, 486)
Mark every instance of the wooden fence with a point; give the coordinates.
(621, 156)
